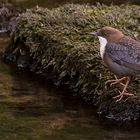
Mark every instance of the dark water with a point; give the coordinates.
(31, 109)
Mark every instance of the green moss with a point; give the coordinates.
(59, 45)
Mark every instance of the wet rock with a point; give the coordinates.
(8, 12)
(56, 44)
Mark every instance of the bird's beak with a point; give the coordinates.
(93, 33)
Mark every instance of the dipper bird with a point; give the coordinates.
(121, 54)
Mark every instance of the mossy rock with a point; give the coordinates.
(8, 12)
(57, 45)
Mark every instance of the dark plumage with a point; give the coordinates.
(121, 54)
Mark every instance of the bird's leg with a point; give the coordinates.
(120, 96)
(116, 81)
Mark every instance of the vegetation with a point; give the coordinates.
(7, 12)
(56, 43)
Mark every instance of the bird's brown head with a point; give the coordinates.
(109, 33)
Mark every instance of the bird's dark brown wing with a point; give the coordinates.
(126, 53)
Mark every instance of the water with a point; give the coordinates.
(32, 109)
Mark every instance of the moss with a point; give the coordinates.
(7, 13)
(61, 49)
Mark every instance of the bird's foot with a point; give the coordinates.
(116, 81)
(121, 95)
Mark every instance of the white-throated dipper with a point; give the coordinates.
(121, 54)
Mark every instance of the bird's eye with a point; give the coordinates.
(105, 33)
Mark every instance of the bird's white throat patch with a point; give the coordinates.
(103, 43)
